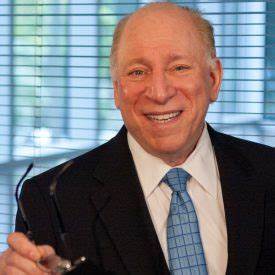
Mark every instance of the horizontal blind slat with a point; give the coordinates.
(55, 76)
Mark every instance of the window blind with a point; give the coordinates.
(56, 96)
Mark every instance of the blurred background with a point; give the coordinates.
(56, 96)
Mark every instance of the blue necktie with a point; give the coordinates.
(185, 249)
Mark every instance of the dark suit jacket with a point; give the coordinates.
(105, 213)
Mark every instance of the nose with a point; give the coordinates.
(160, 89)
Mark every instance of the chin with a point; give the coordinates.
(168, 148)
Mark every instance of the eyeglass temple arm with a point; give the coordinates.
(53, 194)
(20, 204)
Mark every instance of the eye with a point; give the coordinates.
(180, 68)
(136, 73)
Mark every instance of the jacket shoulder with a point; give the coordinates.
(76, 173)
(260, 156)
(88, 160)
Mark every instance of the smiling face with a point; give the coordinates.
(164, 82)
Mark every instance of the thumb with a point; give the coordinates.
(45, 251)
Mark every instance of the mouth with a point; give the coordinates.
(163, 118)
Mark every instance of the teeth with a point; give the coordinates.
(163, 118)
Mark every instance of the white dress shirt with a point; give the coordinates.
(204, 188)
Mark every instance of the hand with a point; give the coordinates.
(22, 256)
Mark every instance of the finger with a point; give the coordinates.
(45, 251)
(11, 270)
(3, 258)
(49, 259)
(23, 264)
(22, 245)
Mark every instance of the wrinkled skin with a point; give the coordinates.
(164, 82)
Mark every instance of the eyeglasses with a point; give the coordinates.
(52, 264)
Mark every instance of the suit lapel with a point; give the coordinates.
(123, 210)
(122, 207)
(243, 198)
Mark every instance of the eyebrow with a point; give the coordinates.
(140, 60)
(173, 57)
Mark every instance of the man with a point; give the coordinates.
(115, 200)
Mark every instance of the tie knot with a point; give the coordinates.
(176, 178)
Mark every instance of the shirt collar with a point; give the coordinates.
(200, 164)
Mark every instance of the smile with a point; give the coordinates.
(163, 117)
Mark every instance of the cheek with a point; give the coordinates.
(191, 92)
(197, 99)
(123, 96)
(130, 93)
(123, 90)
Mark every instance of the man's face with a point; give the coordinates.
(164, 83)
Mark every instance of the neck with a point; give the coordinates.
(180, 157)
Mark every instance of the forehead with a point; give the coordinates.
(154, 31)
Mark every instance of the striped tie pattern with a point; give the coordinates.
(185, 249)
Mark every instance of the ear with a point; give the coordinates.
(116, 94)
(216, 73)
